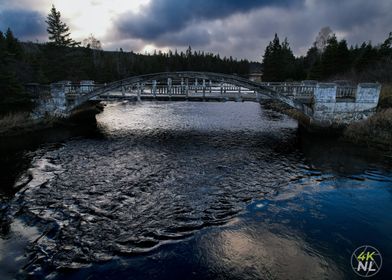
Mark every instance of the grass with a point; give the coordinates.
(375, 130)
(12, 120)
(20, 122)
(385, 97)
(378, 128)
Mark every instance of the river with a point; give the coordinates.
(190, 191)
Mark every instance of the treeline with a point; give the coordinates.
(49, 63)
(329, 59)
(23, 63)
(11, 63)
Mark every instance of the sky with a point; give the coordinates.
(238, 28)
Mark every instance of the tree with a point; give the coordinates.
(58, 31)
(322, 38)
(92, 43)
(335, 58)
(11, 91)
(386, 47)
(278, 61)
(12, 44)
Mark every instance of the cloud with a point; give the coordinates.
(244, 28)
(23, 23)
(235, 28)
(166, 16)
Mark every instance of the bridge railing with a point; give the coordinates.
(37, 90)
(346, 92)
(300, 90)
(73, 90)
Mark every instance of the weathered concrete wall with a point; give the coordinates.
(328, 111)
(53, 104)
(325, 93)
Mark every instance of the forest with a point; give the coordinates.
(329, 59)
(27, 62)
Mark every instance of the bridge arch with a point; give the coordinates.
(325, 104)
(260, 89)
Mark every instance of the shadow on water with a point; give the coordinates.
(16, 152)
(333, 154)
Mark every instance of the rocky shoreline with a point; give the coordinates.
(15, 124)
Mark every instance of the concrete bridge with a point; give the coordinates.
(324, 104)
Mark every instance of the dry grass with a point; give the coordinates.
(385, 97)
(13, 120)
(375, 130)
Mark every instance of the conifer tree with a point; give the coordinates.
(278, 61)
(59, 31)
(12, 44)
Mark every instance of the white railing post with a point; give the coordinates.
(187, 87)
(204, 88)
(169, 86)
(154, 88)
(196, 84)
(138, 92)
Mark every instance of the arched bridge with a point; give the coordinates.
(325, 103)
(190, 86)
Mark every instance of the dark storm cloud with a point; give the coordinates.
(24, 23)
(192, 35)
(165, 16)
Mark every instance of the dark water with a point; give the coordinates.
(190, 191)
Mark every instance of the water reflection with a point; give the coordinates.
(221, 190)
(256, 253)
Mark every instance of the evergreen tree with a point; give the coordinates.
(271, 60)
(288, 62)
(278, 61)
(366, 56)
(315, 72)
(12, 96)
(58, 31)
(2, 44)
(12, 44)
(386, 47)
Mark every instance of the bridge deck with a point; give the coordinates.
(179, 97)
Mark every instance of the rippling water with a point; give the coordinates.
(194, 190)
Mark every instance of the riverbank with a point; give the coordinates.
(375, 131)
(19, 123)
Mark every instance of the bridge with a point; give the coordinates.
(324, 104)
